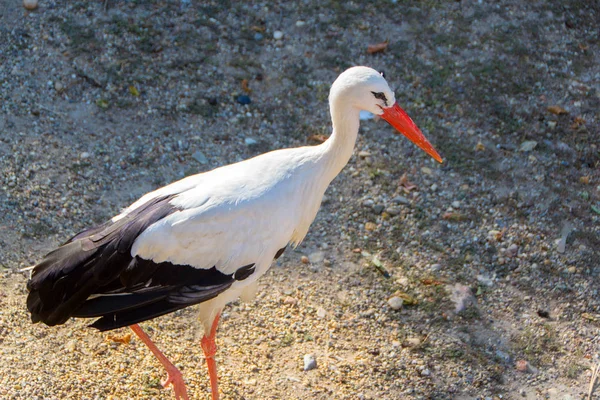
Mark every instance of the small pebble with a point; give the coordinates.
(400, 200)
(393, 210)
(503, 356)
(395, 303)
(59, 87)
(310, 362)
(243, 99)
(378, 209)
(300, 24)
(528, 146)
(321, 313)
(412, 342)
(277, 35)
(435, 267)
(425, 372)
(30, 4)
(462, 297)
(370, 226)
(258, 36)
(304, 260)
(512, 250)
(289, 300)
(84, 155)
(200, 157)
(522, 366)
(250, 141)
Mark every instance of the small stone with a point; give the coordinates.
(368, 203)
(512, 250)
(370, 226)
(310, 362)
(434, 187)
(425, 372)
(243, 99)
(378, 209)
(30, 4)
(521, 365)
(258, 36)
(393, 210)
(250, 141)
(503, 356)
(561, 245)
(494, 235)
(71, 345)
(364, 154)
(401, 200)
(395, 303)
(200, 157)
(528, 146)
(435, 267)
(289, 300)
(84, 155)
(327, 262)
(412, 342)
(321, 313)
(456, 204)
(461, 296)
(59, 87)
(277, 35)
(300, 24)
(426, 170)
(304, 260)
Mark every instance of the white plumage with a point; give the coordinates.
(216, 232)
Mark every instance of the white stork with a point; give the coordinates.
(208, 238)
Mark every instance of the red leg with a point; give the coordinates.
(174, 377)
(210, 349)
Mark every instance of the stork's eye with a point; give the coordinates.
(382, 74)
(380, 96)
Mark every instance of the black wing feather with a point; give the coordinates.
(94, 275)
(86, 263)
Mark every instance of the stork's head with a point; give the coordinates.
(367, 89)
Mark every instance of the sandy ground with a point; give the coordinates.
(495, 253)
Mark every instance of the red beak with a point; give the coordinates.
(400, 120)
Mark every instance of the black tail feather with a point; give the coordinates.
(144, 312)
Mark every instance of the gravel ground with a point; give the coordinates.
(493, 257)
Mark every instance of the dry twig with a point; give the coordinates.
(595, 375)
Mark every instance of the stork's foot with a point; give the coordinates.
(175, 378)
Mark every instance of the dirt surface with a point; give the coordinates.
(493, 254)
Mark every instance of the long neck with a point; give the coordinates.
(337, 150)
